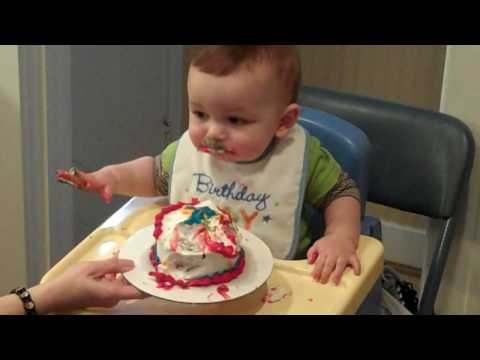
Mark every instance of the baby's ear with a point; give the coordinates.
(288, 120)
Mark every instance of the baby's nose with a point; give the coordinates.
(217, 132)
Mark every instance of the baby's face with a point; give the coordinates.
(234, 117)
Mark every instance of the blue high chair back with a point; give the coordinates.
(351, 148)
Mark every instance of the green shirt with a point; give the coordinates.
(323, 174)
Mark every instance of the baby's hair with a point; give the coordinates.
(223, 60)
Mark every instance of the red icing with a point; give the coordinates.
(76, 179)
(225, 220)
(223, 291)
(227, 251)
(204, 149)
(230, 234)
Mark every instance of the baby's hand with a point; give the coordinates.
(92, 182)
(332, 254)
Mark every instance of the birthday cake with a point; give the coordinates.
(197, 244)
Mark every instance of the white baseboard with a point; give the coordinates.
(403, 244)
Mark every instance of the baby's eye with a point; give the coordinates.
(201, 115)
(236, 121)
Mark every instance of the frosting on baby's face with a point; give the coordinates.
(212, 146)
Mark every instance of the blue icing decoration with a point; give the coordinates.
(199, 214)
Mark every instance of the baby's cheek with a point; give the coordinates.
(195, 136)
(256, 143)
(251, 148)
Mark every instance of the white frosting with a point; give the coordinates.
(184, 255)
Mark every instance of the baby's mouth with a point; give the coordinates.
(214, 147)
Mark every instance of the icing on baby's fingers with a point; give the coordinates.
(317, 271)
(312, 255)
(106, 195)
(71, 177)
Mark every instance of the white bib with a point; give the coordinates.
(265, 197)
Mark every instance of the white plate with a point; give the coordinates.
(258, 268)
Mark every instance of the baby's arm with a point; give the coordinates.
(133, 178)
(337, 249)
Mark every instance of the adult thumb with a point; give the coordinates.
(128, 292)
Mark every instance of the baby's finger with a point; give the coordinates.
(312, 255)
(327, 270)
(71, 177)
(87, 180)
(92, 184)
(106, 195)
(81, 174)
(317, 270)
(339, 270)
(357, 267)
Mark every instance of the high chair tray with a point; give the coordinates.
(289, 290)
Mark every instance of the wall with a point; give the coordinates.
(460, 290)
(408, 74)
(12, 240)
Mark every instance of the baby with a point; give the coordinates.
(245, 151)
